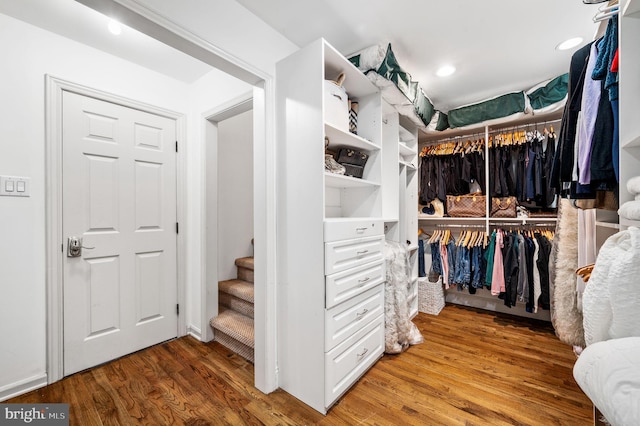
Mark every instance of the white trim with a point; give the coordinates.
(265, 247)
(147, 21)
(53, 118)
(22, 386)
(209, 287)
(194, 332)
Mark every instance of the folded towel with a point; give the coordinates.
(630, 210)
(633, 185)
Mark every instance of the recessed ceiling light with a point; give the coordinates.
(114, 27)
(445, 71)
(568, 44)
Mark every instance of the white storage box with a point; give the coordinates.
(336, 106)
(430, 296)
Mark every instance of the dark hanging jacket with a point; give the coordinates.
(563, 160)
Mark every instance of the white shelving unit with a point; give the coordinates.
(330, 232)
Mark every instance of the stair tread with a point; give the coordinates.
(236, 325)
(245, 262)
(239, 288)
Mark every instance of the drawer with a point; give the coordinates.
(347, 318)
(346, 284)
(336, 230)
(349, 360)
(342, 255)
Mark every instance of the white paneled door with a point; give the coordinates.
(119, 198)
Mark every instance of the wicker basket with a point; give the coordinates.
(430, 296)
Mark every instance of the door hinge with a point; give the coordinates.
(176, 227)
(176, 146)
(177, 309)
(62, 248)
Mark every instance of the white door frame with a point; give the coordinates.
(54, 241)
(209, 246)
(137, 16)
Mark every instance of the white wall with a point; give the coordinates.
(235, 192)
(29, 53)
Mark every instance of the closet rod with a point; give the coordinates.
(457, 225)
(524, 223)
(517, 126)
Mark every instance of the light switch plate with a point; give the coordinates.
(15, 186)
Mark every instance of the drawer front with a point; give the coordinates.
(350, 229)
(346, 319)
(350, 359)
(342, 255)
(346, 284)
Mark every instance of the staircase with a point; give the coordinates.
(234, 324)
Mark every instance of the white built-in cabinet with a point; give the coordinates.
(629, 98)
(331, 228)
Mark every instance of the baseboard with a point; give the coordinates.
(194, 332)
(22, 386)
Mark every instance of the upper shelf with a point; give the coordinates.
(356, 83)
(632, 10)
(405, 150)
(338, 138)
(405, 135)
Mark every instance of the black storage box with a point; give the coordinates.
(353, 170)
(351, 156)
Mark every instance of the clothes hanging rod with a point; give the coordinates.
(458, 225)
(523, 223)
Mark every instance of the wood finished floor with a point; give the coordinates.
(474, 368)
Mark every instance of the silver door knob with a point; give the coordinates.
(74, 247)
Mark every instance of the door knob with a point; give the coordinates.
(74, 247)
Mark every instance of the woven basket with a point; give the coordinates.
(430, 296)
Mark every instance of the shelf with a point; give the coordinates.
(632, 10)
(405, 135)
(355, 82)
(629, 222)
(407, 165)
(608, 225)
(452, 219)
(633, 143)
(405, 150)
(340, 138)
(340, 181)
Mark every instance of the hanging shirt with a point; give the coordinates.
(489, 255)
(589, 112)
(537, 290)
(497, 280)
(445, 264)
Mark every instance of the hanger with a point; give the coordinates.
(604, 13)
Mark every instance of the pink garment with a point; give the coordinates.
(445, 264)
(497, 278)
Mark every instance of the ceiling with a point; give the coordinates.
(497, 46)
(75, 21)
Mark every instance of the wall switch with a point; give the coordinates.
(15, 186)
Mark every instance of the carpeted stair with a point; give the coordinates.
(233, 327)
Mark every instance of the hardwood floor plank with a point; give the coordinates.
(474, 368)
